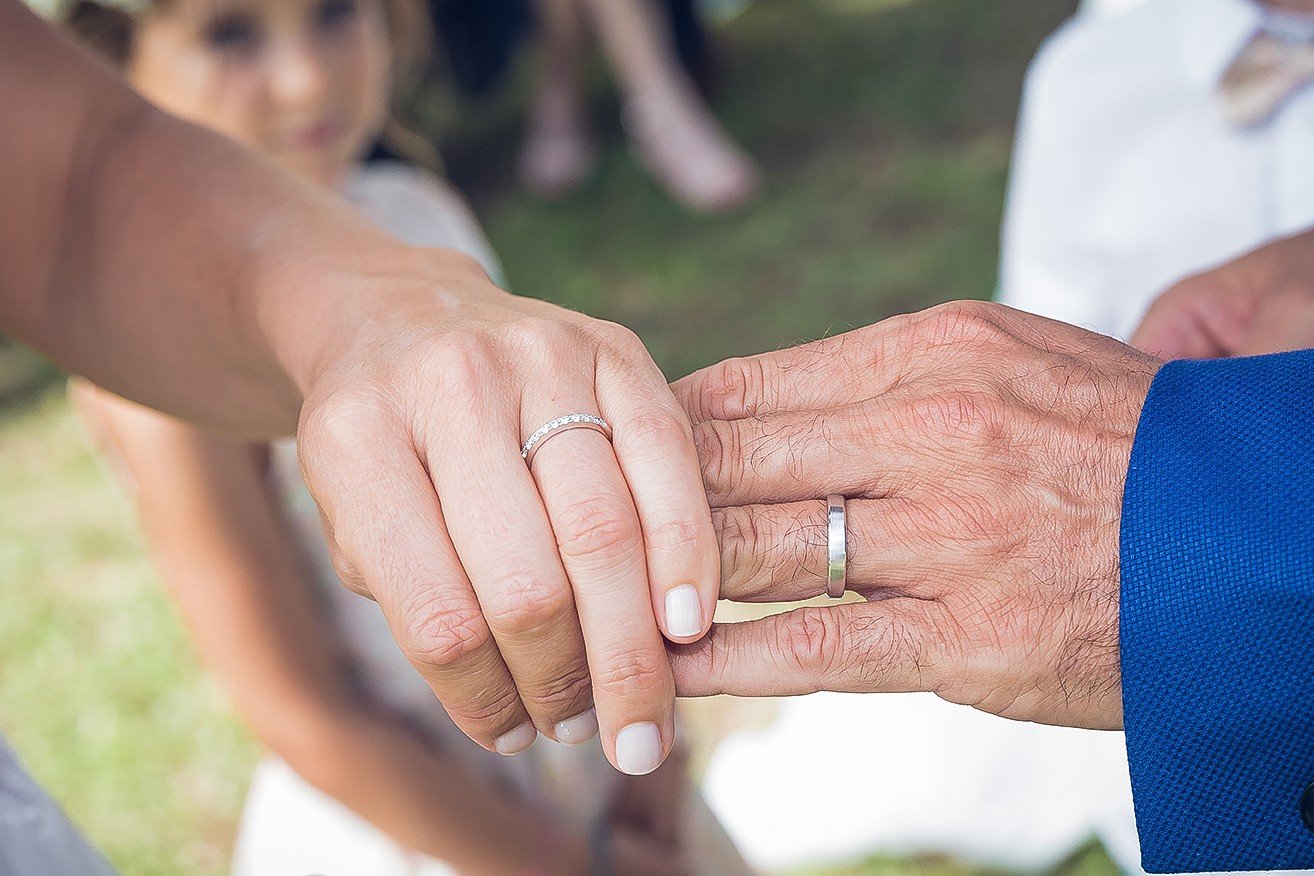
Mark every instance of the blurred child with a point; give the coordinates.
(366, 772)
(1153, 143)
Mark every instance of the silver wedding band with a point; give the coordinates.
(837, 553)
(559, 425)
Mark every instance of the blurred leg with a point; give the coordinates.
(558, 150)
(675, 132)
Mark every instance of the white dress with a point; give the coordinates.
(290, 827)
(1125, 178)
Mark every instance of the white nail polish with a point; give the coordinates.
(580, 728)
(684, 611)
(638, 749)
(517, 740)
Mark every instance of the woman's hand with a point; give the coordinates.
(174, 268)
(983, 452)
(523, 594)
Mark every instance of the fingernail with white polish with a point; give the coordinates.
(638, 749)
(684, 611)
(580, 728)
(517, 740)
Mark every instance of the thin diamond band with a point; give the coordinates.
(562, 424)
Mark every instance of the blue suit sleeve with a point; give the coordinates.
(1217, 615)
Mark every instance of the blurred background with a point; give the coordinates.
(882, 130)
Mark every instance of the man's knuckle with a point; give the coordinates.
(888, 652)
(960, 414)
(964, 323)
(810, 637)
(727, 387)
(975, 314)
(719, 454)
(970, 518)
(500, 708)
(737, 537)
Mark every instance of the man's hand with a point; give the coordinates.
(1262, 302)
(983, 452)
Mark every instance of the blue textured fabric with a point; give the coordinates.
(1217, 623)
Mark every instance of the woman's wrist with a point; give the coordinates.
(328, 309)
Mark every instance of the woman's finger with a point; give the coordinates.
(865, 647)
(506, 545)
(384, 518)
(600, 541)
(778, 553)
(655, 449)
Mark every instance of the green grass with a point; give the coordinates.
(883, 128)
(99, 691)
(1089, 861)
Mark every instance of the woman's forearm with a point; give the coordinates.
(427, 801)
(165, 262)
(178, 270)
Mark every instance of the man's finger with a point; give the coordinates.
(859, 647)
(812, 376)
(600, 542)
(860, 364)
(778, 553)
(864, 449)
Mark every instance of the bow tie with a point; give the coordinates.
(1267, 72)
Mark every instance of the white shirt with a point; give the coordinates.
(1126, 177)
